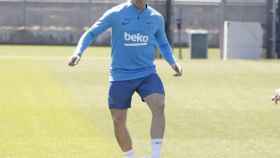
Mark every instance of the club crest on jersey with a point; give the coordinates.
(135, 39)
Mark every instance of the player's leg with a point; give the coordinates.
(121, 132)
(120, 94)
(152, 92)
(156, 105)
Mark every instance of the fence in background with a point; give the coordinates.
(62, 21)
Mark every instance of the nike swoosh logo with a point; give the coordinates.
(125, 22)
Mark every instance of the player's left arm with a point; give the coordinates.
(165, 48)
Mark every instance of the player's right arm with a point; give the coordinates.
(101, 25)
(276, 97)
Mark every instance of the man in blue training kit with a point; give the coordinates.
(137, 30)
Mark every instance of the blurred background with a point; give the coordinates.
(63, 21)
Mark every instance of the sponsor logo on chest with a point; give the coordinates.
(135, 39)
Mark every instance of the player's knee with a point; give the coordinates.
(158, 109)
(159, 106)
(119, 120)
(156, 103)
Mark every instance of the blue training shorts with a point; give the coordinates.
(120, 92)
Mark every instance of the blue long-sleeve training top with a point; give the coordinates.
(135, 36)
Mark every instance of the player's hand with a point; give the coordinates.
(74, 60)
(178, 70)
(276, 97)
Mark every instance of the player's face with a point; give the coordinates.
(141, 1)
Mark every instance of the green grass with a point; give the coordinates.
(218, 109)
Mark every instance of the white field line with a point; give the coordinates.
(44, 58)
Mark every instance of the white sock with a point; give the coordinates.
(129, 154)
(156, 146)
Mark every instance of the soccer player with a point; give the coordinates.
(276, 97)
(137, 30)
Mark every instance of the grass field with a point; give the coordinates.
(218, 109)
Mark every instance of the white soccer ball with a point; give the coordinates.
(277, 91)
